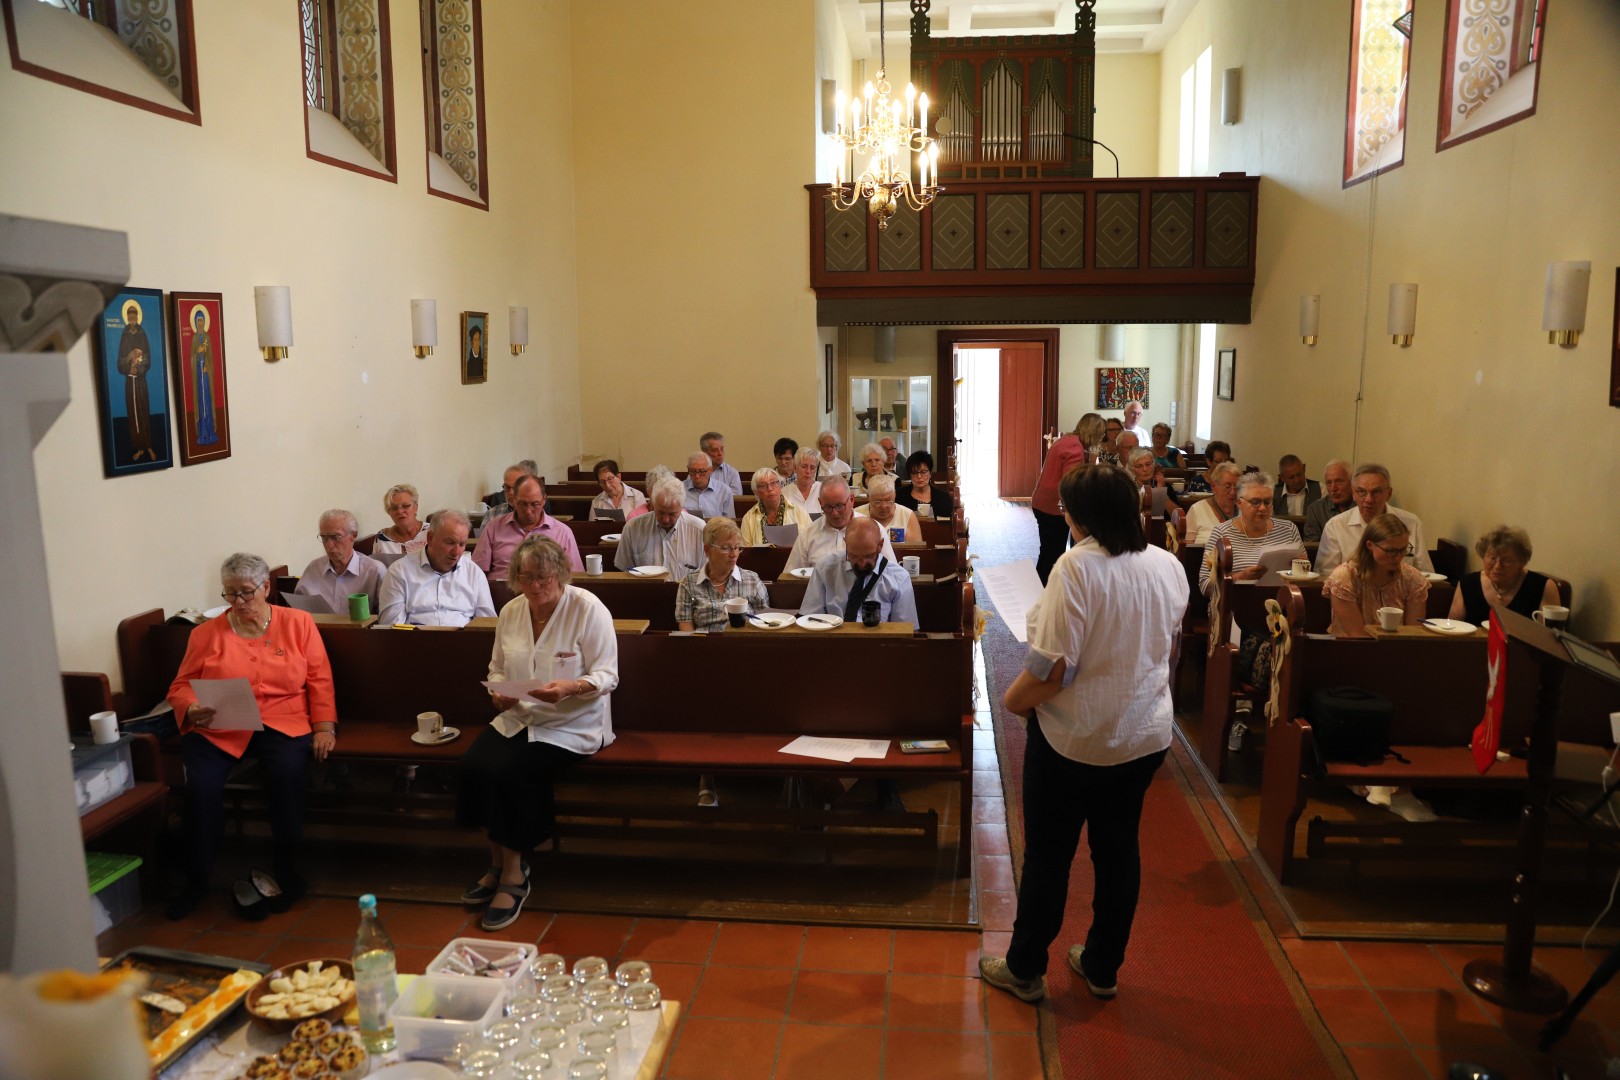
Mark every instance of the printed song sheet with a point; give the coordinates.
(1013, 588)
(235, 708)
(846, 750)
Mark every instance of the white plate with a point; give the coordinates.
(801, 572)
(449, 734)
(612, 538)
(649, 571)
(1449, 626)
(770, 620)
(1291, 576)
(413, 1070)
(1433, 579)
(216, 612)
(820, 622)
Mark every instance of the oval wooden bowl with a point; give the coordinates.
(335, 1014)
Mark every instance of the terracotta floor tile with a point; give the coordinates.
(1321, 963)
(993, 943)
(997, 909)
(529, 927)
(941, 1002)
(815, 1052)
(413, 960)
(936, 952)
(1015, 1057)
(1569, 966)
(157, 935)
(989, 810)
(575, 936)
(215, 909)
(1353, 1015)
(1398, 965)
(325, 917)
(1509, 1062)
(1006, 1014)
(423, 925)
(1385, 1063)
(839, 997)
(685, 941)
(986, 783)
(990, 839)
(742, 993)
(934, 1055)
(677, 982)
(994, 872)
(846, 948)
(239, 946)
(1456, 957)
(1437, 1017)
(709, 1049)
(741, 944)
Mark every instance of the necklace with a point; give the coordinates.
(250, 629)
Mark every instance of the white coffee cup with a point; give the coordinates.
(429, 725)
(593, 565)
(1389, 618)
(104, 727)
(913, 564)
(1552, 615)
(1302, 567)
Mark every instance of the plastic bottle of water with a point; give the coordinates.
(374, 978)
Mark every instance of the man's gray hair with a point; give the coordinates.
(351, 524)
(528, 466)
(762, 475)
(831, 485)
(1256, 479)
(882, 484)
(1337, 462)
(443, 519)
(708, 437)
(1371, 468)
(656, 474)
(667, 492)
(697, 457)
(245, 567)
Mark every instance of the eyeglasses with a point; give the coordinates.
(534, 579)
(1392, 549)
(330, 538)
(232, 596)
(1258, 503)
(727, 549)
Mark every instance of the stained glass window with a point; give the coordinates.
(1375, 115)
(346, 74)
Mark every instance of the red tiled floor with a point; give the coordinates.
(575, 936)
(1015, 1057)
(943, 1002)
(239, 946)
(986, 783)
(324, 917)
(658, 941)
(1353, 1015)
(994, 872)
(993, 943)
(1509, 1062)
(1385, 1063)
(677, 982)
(997, 909)
(708, 1049)
(1435, 1017)
(1321, 963)
(990, 810)
(839, 997)
(846, 948)
(1006, 1014)
(426, 925)
(530, 926)
(936, 952)
(934, 1055)
(1398, 965)
(742, 993)
(990, 839)
(814, 1052)
(156, 935)
(758, 945)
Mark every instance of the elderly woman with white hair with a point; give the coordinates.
(898, 521)
(561, 637)
(280, 652)
(828, 462)
(1220, 506)
(1253, 530)
(773, 508)
(874, 463)
(408, 532)
(805, 491)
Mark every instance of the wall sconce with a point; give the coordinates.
(1111, 343)
(1402, 313)
(272, 308)
(1310, 318)
(1563, 309)
(517, 324)
(424, 326)
(1231, 96)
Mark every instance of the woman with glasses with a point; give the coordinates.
(1220, 506)
(805, 491)
(773, 508)
(616, 494)
(279, 651)
(882, 508)
(1252, 531)
(1506, 579)
(1378, 576)
(922, 496)
(407, 533)
(562, 637)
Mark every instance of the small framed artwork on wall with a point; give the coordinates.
(474, 347)
(827, 361)
(132, 397)
(197, 321)
(1225, 374)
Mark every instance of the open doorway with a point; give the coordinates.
(994, 413)
(978, 404)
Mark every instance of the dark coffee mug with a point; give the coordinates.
(736, 618)
(869, 613)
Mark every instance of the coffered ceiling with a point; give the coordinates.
(1123, 26)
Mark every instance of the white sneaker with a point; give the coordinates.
(1412, 808)
(1234, 737)
(1379, 796)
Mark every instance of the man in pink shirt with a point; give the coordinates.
(502, 536)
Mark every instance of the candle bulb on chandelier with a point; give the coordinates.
(911, 103)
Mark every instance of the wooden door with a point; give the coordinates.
(1023, 396)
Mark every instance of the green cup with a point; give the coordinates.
(359, 607)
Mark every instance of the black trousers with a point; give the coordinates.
(508, 788)
(1054, 533)
(1060, 797)
(285, 761)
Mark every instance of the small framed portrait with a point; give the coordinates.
(197, 328)
(474, 347)
(1225, 373)
(132, 398)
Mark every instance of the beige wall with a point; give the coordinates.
(692, 146)
(235, 203)
(1463, 416)
(1127, 114)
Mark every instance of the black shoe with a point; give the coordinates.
(275, 897)
(500, 919)
(250, 903)
(479, 893)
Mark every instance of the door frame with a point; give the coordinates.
(945, 399)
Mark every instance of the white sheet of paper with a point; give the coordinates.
(516, 688)
(235, 707)
(826, 749)
(315, 605)
(1013, 588)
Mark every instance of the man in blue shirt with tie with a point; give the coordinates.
(842, 580)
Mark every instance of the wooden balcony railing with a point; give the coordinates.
(1157, 249)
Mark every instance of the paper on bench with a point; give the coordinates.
(845, 750)
(235, 708)
(1013, 588)
(312, 603)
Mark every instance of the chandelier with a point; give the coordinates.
(886, 133)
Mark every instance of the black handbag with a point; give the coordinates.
(1349, 724)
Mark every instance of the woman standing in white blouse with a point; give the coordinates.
(563, 636)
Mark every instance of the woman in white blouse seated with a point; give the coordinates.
(408, 532)
(805, 491)
(882, 508)
(829, 463)
(1251, 532)
(562, 637)
(873, 465)
(1221, 506)
(616, 494)
(773, 508)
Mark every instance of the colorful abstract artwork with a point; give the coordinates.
(1117, 385)
(198, 323)
(131, 396)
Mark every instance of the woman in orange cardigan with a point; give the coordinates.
(280, 653)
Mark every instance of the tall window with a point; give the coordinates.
(1492, 66)
(1375, 113)
(348, 84)
(453, 77)
(1193, 159)
(1204, 418)
(88, 45)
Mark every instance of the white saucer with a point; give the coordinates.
(771, 620)
(448, 734)
(1449, 626)
(650, 571)
(1433, 579)
(820, 622)
(612, 538)
(801, 572)
(215, 612)
(1289, 575)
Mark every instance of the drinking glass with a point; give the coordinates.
(599, 1043)
(526, 1009)
(590, 967)
(550, 1037)
(485, 1063)
(555, 988)
(600, 992)
(504, 1034)
(614, 1018)
(548, 964)
(633, 971)
(642, 997)
(567, 1014)
(532, 1065)
(587, 1069)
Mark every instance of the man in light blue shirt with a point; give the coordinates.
(842, 581)
(706, 499)
(437, 585)
(725, 476)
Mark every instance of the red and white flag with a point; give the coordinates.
(1488, 735)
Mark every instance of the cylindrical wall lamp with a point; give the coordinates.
(1310, 318)
(518, 329)
(1231, 96)
(1111, 343)
(272, 308)
(424, 326)
(1563, 308)
(883, 345)
(1402, 313)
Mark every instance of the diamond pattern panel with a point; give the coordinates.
(1006, 232)
(1170, 243)
(953, 232)
(1118, 219)
(1063, 230)
(1226, 228)
(900, 245)
(844, 238)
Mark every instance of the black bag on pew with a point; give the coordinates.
(1349, 724)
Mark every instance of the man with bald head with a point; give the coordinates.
(1124, 443)
(1133, 424)
(826, 534)
(704, 498)
(342, 570)
(437, 584)
(893, 460)
(502, 536)
(842, 581)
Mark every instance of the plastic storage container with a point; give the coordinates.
(101, 773)
(115, 889)
(435, 1012)
(489, 950)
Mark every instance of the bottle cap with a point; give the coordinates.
(368, 902)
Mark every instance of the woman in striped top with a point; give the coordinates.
(1252, 531)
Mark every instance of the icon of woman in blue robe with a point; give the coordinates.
(202, 376)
